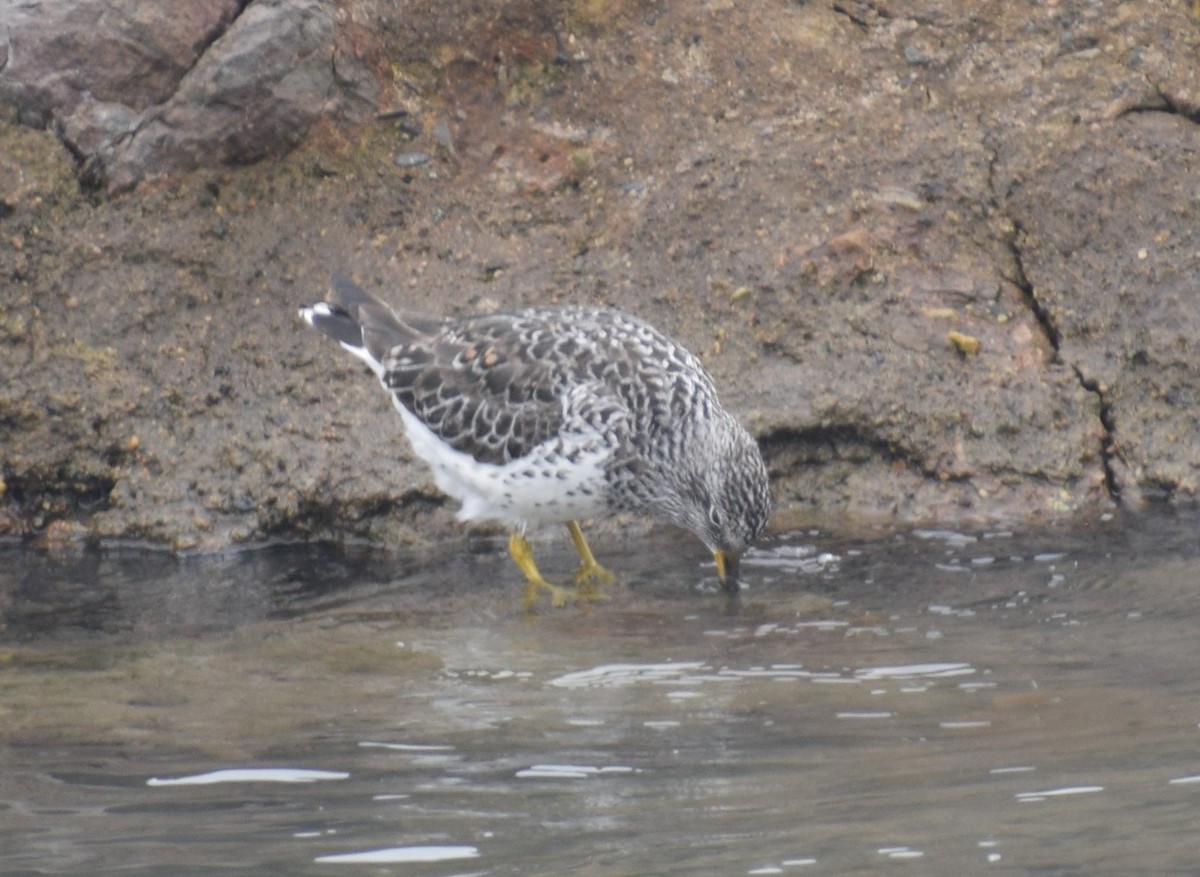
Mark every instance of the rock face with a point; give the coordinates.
(138, 90)
(941, 255)
(66, 60)
(1125, 316)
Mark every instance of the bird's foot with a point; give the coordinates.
(522, 555)
(587, 591)
(587, 579)
(559, 596)
(592, 575)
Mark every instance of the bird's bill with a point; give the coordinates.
(727, 570)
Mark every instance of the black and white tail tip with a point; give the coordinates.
(331, 320)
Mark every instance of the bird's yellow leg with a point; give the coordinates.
(590, 572)
(522, 555)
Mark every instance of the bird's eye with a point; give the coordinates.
(714, 515)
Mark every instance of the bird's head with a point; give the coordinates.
(728, 504)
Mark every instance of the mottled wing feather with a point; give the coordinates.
(478, 388)
(495, 387)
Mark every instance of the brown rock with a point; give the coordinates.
(137, 89)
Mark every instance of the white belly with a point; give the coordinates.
(540, 488)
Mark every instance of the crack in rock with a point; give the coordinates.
(1108, 452)
(1021, 280)
(859, 18)
(1165, 103)
(6, 57)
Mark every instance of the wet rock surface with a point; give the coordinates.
(939, 256)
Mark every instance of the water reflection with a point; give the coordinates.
(941, 701)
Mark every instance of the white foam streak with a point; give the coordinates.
(250, 775)
(570, 771)
(399, 855)
(1058, 793)
(908, 671)
(614, 675)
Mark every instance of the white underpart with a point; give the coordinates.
(504, 492)
(365, 355)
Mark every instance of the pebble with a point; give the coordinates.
(412, 159)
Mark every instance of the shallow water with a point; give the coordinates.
(930, 703)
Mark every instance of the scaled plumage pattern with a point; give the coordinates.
(560, 414)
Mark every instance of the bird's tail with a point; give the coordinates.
(361, 323)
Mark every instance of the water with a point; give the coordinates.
(932, 703)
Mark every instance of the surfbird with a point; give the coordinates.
(557, 415)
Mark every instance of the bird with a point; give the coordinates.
(560, 414)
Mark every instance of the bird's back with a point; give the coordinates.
(495, 386)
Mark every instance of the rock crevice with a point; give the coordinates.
(1052, 333)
